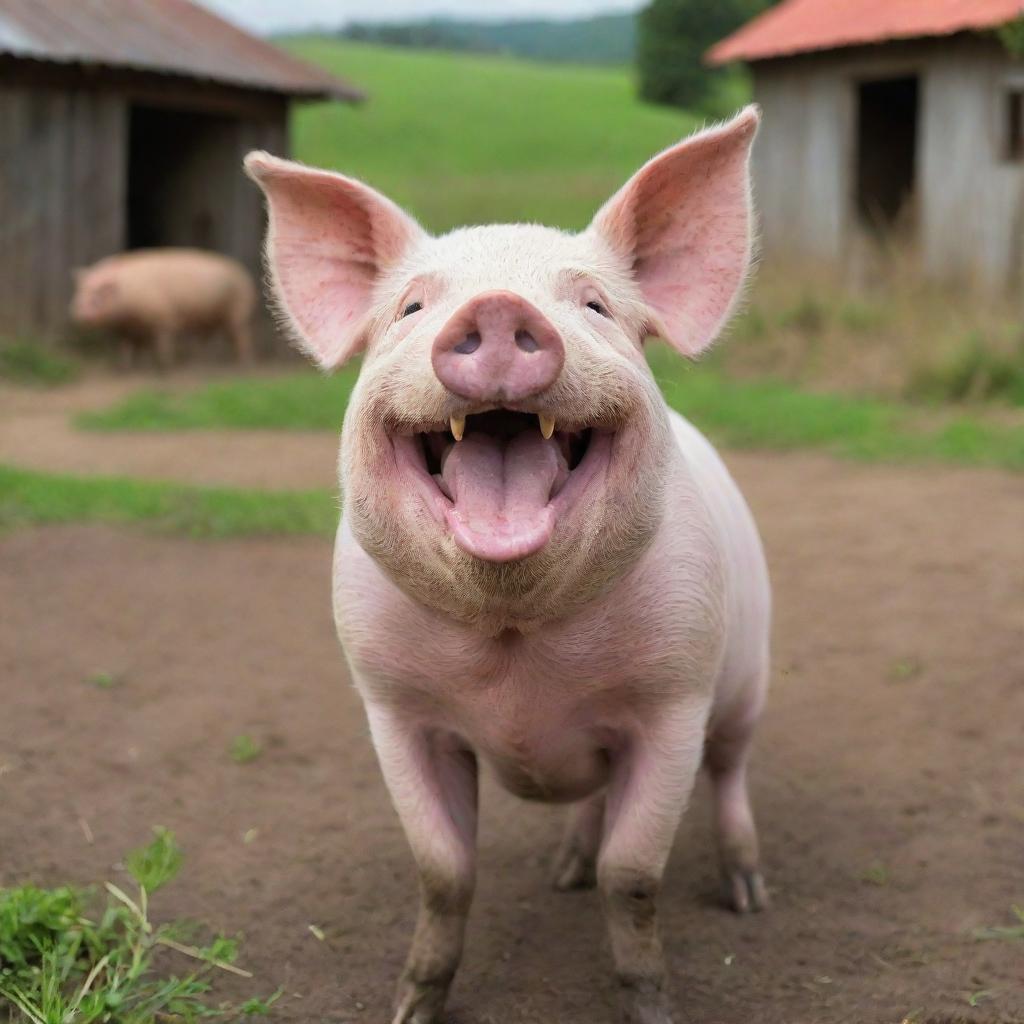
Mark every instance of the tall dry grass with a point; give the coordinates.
(882, 330)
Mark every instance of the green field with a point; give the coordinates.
(461, 139)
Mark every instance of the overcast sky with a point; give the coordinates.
(274, 15)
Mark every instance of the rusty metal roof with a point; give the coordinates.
(800, 26)
(173, 37)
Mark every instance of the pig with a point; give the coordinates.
(157, 295)
(539, 567)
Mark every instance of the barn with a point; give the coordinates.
(123, 124)
(891, 118)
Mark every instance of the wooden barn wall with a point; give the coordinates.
(65, 174)
(61, 198)
(970, 199)
(801, 160)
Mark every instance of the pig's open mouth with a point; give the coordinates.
(500, 479)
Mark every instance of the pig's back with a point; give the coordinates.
(198, 285)
(748, 595)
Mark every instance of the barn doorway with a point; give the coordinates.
(183, 168)
(887, 119)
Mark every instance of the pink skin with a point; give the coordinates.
(588, 614)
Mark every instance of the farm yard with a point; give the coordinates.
(885, 776)
(170, 658)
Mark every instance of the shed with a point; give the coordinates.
(888, 117)
(123, 124)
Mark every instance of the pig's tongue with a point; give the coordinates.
(500, 488)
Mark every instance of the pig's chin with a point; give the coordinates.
(503, 488)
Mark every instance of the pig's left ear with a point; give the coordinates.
(328, 241)
(684, 223)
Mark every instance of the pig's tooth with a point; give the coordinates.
(458, 427)
(547, 425)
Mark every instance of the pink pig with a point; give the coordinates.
(157, 295)
(539, 565)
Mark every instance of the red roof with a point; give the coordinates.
(798, 26)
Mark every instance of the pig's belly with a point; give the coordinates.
(551, 765)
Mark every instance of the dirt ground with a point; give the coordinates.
(889, 776)
(37, 432)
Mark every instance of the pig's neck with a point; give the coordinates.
(673, 589)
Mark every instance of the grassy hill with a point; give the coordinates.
(461, 139)
(604, 39)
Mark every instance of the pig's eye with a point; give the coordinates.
(413, 307)
(598, 308)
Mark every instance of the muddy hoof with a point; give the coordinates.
(573, 870)
(745, 892)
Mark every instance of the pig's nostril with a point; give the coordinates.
(469, 344)
(526, 341)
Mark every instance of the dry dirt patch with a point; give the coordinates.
(888, 777)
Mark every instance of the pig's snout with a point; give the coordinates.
(498, 347)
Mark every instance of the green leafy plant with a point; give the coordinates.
(68, 958)
(1011, 35)
(245, 748)
(1013, 932)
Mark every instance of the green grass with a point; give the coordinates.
(28, 497)
(33, 363)
(759, 414)
(301, 401)
(462, 139)
(69, 957)
(245, 748)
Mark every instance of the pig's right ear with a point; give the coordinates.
(683, 223)
(328, 241)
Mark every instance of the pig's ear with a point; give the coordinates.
(328, 241)
(684, 222)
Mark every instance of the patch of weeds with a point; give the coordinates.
(809, 316)
(245, 748)
(104, 680)
(1013, 932)
(155, 865)
(977, 371)
(750, 325)
(877, 874)
(66, 957)
(981, 996)
(905, 669)
(35, 363)
(861, 317)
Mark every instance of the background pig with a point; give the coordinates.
(157, 295)
(539, 566)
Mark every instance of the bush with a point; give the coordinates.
(672, 38)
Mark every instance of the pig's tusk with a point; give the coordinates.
(458, 427)
(547, 425)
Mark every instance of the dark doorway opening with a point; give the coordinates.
(887, 116)
(182, 174)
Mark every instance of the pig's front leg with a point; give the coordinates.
(651, 785)
(432, 779)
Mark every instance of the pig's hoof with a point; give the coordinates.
(574, 870)
(419, 1002)
(745, 891)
